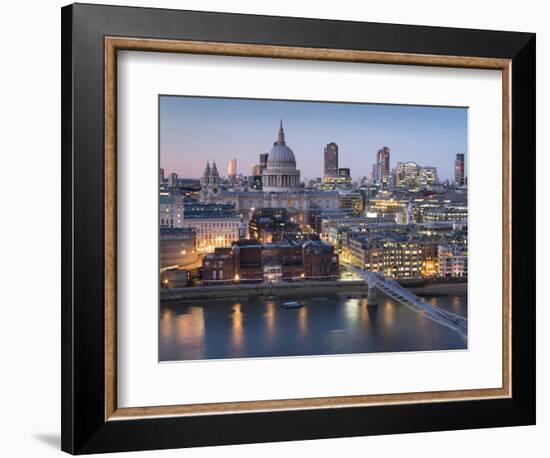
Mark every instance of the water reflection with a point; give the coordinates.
(184, 330)
(167, 324)
(237, 336)
(388, 308)
(270, 320)
(456, 304)
(302, 321)
(364, 312)
(326, 325)
(352, 310)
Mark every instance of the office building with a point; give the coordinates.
(381, 169)
(351, 199)
(170, 210)
(408, 175)
(452, 260)
(331, 160)
(428, 176)
(273, 225)
(454, 214)
(459, 170)
(232, 171)
(215, 224)
(177, 247)
(232, 168)
(395, 256)
(173, 180)
(344, 172)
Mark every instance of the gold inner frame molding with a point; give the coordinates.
(114, 44)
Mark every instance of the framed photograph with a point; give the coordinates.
(282, 228)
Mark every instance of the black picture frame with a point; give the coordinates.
(84, 428)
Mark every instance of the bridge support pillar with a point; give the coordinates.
(372, 297)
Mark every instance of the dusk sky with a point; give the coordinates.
(196, 129)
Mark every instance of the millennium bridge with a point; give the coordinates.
(377, 281)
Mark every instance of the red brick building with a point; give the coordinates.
(218, 266)
(319, 259)
(249, 260)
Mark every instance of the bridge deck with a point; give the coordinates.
(394, 290)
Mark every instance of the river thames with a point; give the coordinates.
(328, 325)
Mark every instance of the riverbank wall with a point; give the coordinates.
(354, 288)
(441, 289)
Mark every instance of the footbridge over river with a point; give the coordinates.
(377, 281)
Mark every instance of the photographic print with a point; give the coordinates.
(300, 228)
(261, 231)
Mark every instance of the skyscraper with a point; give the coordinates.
(331, 160)
(459, 170)
(232, 171)
(375, 174)
(381, 170)
(232, 168)
(173, 180)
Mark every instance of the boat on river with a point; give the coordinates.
(293, 305)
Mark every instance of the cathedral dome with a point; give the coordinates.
(280, 173)
(281, 155)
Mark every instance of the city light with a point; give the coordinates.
(429, 269)
(391, 235)
(401, 222)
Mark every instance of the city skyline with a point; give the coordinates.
(225, 128)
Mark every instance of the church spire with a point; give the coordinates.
(206, 175)
(281, 137)
(214, 170)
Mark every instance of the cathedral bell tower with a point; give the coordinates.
(210, 182)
